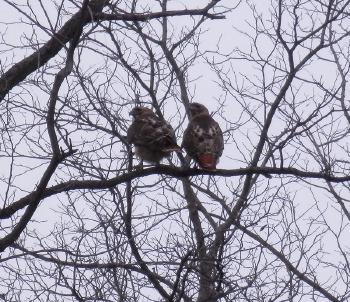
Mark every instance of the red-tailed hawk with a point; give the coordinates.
(203, 140)
(152, 137)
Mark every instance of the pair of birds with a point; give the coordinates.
(154, 138)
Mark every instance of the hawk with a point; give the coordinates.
(203, 140)
(152, 137)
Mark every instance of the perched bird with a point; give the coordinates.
(203, 140)
(152, 137)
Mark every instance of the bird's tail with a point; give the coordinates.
(207, 161)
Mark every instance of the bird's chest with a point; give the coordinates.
(204, 136)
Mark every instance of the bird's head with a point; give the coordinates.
(140, 112)
(196, 109)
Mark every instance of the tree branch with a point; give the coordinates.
(164, 170)
(57, 155)
(18, 72)
(288, 264)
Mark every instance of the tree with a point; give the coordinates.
(80, 223)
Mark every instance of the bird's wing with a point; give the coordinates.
(218, 142)
(152, 133)
(191, 140)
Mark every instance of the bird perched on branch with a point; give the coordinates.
(203, 139)
(152, 137)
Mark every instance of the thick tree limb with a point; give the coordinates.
(18, 72)
(156, 15)
(164, 170)
(57, 155)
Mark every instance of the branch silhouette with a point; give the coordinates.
(168, 171)
(19, 71)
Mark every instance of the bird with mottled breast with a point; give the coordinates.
(203, 138)
(153, 138)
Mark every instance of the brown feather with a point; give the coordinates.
(153, 138)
